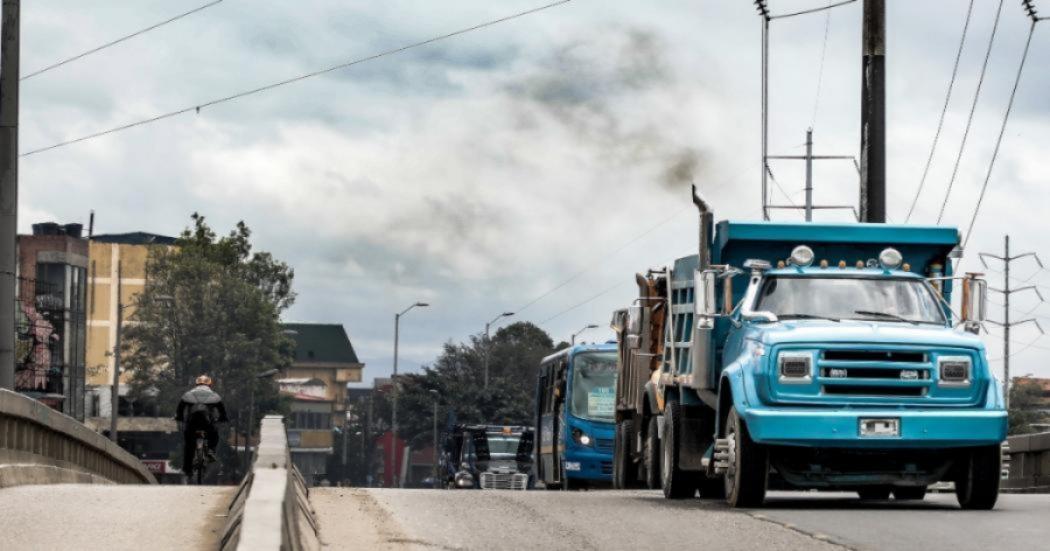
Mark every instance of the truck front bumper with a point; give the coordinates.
(927, 428)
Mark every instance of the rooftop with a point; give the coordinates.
(134, 238)
(321, 343)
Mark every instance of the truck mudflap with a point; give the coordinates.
(876, 428)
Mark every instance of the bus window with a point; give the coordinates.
(594, 386)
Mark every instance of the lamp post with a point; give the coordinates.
(485, 358)
(572, 340)
(393, 378)
(434, 469)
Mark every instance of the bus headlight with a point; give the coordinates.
(581, 437)
(954, 371)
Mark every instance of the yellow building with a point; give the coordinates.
(323, 364)
(129, 251)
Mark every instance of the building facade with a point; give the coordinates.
(110, 254)
(51, 304)
(324, 362)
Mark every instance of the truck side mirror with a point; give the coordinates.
(974, 301)
(705, 309)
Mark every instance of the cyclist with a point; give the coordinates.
(199, 410)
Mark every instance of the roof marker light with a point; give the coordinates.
(890, 258)
(824, 263)
(802, 256)
(842, 263)
(860, 263)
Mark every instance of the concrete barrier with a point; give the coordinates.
(39, 445)
(1029, 463)
(271, 509)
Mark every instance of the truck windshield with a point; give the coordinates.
(836, 298)
(501, 445)
(594, 386)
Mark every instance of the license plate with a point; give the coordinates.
(880, 428)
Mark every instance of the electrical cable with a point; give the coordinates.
(117, 41)
(1002, 132)
(944, 111)
(973, 109)
(292, 80)
(820, 72)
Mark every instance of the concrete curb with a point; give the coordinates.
(271, 508)
(39, 445)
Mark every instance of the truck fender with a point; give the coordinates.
(733, 391)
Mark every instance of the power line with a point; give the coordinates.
(973, 109)
(592, 299)
(1002, 132)
(820, 72)
(944, 111)
(118, 41)
(292, 80)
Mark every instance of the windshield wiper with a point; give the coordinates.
(806, 317)
(886, 315)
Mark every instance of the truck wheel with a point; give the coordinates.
(677, 484)
(651, 455)
(874, 493)
(748, 473)
(978, 484)
(909, 493)
(712, 488)
(624, 470)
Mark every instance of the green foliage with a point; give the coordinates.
(515, 352)
(210, 306)
(1025, 397)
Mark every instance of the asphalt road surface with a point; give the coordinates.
(110, 518)
(429, 519)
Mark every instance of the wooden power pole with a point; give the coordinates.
(873, 114)
(9, 72)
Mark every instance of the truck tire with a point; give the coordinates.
(909, 493)
(676, 483)
(977, 487)
(874, 493)
(651, 455)
(625, 473)
(748, 473)
(712, 488)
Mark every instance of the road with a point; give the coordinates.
(104, 517)
(428, 519)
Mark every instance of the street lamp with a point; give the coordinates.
(434, 474)
(393, 416)
(572, 339)
(485, 359)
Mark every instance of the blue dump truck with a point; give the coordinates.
(811, 356)
(575, 390)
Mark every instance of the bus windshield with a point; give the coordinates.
(594, 386)
(503, 444)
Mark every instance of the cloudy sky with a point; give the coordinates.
(480, 172)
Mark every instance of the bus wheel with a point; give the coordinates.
(748, 472)
(624, 472)
(651, 454)
(874, 493)
(978, 484)
(677, 484)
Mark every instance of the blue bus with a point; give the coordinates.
(575, 417)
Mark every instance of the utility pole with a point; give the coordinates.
(873, 114)
(1006, 291)
(114, 396)
(434, 470)
(9, 73)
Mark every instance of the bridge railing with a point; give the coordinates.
(39, 445)
(1029, 463)
(271, 509)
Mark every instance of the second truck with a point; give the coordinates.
(810, 356)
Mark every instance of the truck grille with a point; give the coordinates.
(879, 375)
(504, 481)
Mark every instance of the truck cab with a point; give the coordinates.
(811, 356)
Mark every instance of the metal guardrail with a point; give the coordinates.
(271, 509)
(39, 445)
(1029, 463)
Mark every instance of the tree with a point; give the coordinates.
(210, 306)
(515, 352)
(1025, 398)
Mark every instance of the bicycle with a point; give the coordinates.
(200, 456)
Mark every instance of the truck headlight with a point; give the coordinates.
(954, 371)
(795, 367)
